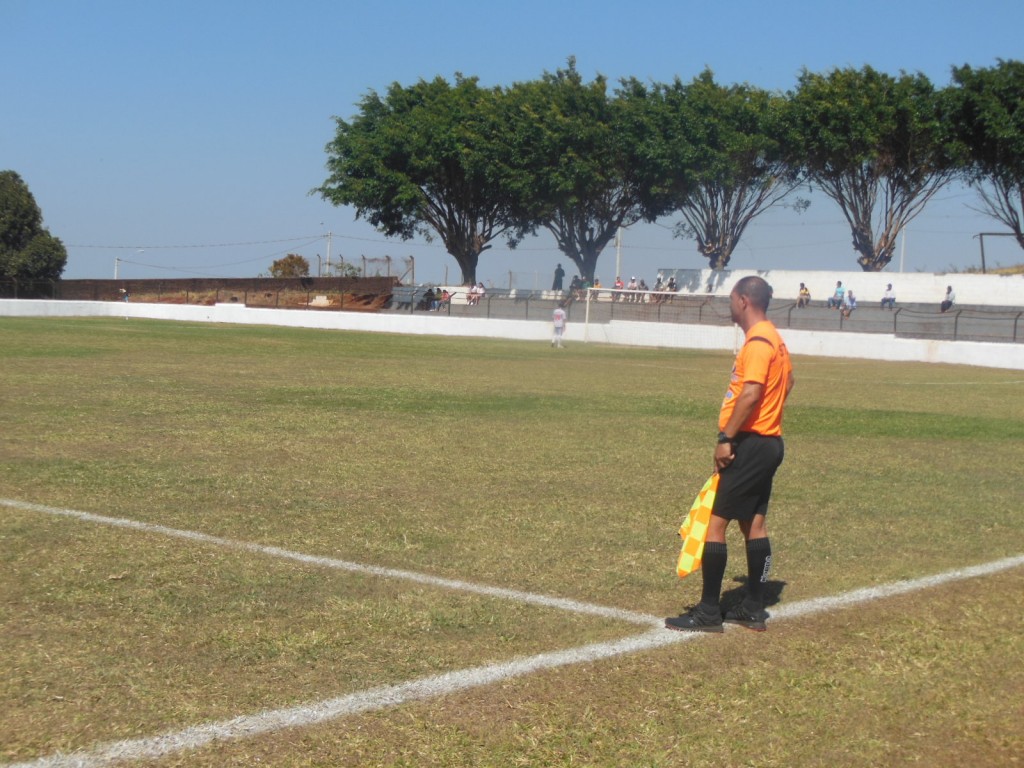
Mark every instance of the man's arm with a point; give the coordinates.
(746, 402)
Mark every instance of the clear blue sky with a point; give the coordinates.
(183, 137)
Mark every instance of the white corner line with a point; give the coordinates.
(515, 595)
(269, 721)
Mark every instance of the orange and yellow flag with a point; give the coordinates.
(695, 528)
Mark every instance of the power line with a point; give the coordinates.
(208, 245)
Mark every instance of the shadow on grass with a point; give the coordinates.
(734, 596)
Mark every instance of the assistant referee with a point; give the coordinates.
(748, 452)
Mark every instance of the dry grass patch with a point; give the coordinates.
(931, 678)
(496, 462)
(110, 634)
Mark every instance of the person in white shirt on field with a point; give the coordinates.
(558, 317)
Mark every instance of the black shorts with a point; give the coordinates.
(745, 486)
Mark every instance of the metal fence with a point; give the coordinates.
(36, 289)
(1000, 325)
(961, 323)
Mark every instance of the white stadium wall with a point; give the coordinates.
(910, 287)
(874, 346)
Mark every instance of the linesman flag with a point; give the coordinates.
(695, 528)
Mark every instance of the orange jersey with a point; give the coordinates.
(763, 360)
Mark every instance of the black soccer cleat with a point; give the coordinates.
(747, 616)
(700, 618)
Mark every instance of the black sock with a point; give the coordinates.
(759, 562)
(712, 564)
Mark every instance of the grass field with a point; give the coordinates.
(561, 473)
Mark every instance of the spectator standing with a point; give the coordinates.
(748, 453)
(556, 284)
(889, 297)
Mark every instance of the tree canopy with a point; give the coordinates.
(571, 163)
(419, 160)
(877, 146)
(986, 111)
(725, 155)
(292, 265)
(468, 164)
(28, 252)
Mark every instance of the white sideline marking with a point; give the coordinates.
(868, 594)
(248, 726)
(268, 721)
(516, 595)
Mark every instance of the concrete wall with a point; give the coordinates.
(874, 346)
(910, 287)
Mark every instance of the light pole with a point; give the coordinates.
(618, 252)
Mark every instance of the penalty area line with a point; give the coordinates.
(270, 721)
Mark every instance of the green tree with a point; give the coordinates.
(570, 163)
(986, 111)
(877, 146)
(292, 265)
(418, 161)
(343, 269)
(726, 155)
(28, 252)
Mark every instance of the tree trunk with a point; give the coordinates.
(874, 258)
(468, 263)
(718, 255)
(467, 255)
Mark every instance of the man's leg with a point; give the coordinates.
(707, 616)
(759, 557)
(714, 560)
(751, 613)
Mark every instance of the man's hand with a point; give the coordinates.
(724, 455)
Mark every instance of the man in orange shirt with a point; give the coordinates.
(749, 451)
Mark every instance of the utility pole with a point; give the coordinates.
(903, 246)
(618, 253)
(981, 240)
(329, 234)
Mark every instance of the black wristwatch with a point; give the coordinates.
(724, 438)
